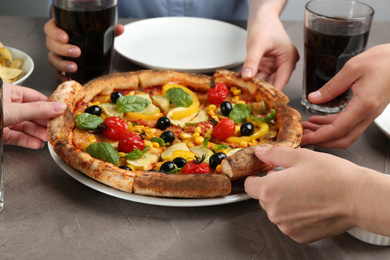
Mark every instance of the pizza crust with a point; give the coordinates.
(239, 165)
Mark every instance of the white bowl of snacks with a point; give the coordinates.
(15, 65)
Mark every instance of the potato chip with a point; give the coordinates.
(9, 73)
(9, 69)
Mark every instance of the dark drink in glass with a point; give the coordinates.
(331, 38)
(91, 26)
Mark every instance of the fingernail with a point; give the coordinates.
(58, 106)
(261, 149)
(73, 52)
(247, 73)
(315, 95)
(70, 67)
(62, 38)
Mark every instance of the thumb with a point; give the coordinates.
(281, 156)
(340, 83)
(15, 113)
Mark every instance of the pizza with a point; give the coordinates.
(166, 133)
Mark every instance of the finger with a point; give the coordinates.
(251, 64)
(21, 139)
(15, 113)
(280, 156)
(19, 94)
(252, 186)
(340, 83)
(61, 76)
(284, 72)
(61, 64)
(54, 32)
(32, 129)
(119, 29)
(63, 49)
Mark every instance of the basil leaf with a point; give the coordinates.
(220, 147)
(104, 151)
(179, 97)
(132, 104)
(269, 117)
(160, 141)
(240, 112)
(137, 153)
(205, 142)
(88, 121)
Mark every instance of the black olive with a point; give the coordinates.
(94, 110)
(167, 136)
(247, 128)
(226, 107)
(115, 96)
(167, 166)
(163, 123)
(124, 167)
(216, 159)
(180, 162)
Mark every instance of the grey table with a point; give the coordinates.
(50, 215)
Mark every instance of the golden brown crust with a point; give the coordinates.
(259, 88)
(154, 78)
(182, 185)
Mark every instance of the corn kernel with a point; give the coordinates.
(207, 134)
(148, 143)
(241, 102)
(198, 129)
(243, 144)
(211, 113)
(235, 99)
(236, 92)
(94, 103)
(121, 155)
(212, 108)
(199, 140)
(92, 139)
(184, 136)
(78, 113)
(233, 89)
(195, 135)
(156, 145)
(103, 116)
(218, 167)
(131, 93)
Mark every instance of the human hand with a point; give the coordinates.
(315, 197)
(26, 112)
(271, 55)
(57, 43)
(367, 74)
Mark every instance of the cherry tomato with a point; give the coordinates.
(225, 128)
(197, 166)
(114, 127)
(217, 94)
(130, 141)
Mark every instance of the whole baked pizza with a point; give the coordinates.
(166, 133)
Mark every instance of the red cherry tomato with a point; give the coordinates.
(130, 141)
(225, 128)
(217, 94)
(114, 128)
(198, 166)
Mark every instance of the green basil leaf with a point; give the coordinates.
(240, 112)
(220, 147)
(179, 97)
(132, 104)
(87, 121)
(269, 117)
(205, 142)
(160, 141)
(135, 154)
(104, 151)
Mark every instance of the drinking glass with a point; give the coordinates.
(1, 148)
(335, 31)
(90, 25)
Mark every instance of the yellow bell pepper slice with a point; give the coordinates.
(191, 109)
(259, 133)
(134, 115)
